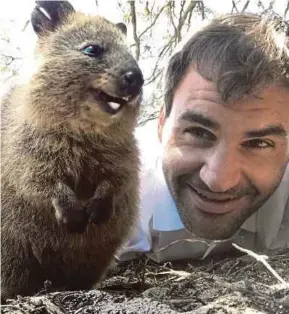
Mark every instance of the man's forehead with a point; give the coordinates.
(195, 88)
(273, 98)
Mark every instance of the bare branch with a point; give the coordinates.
(25, 25)
(164, 50)
(260, 4)
(152, 116)
(235, 7)
(181, 11)
(286, 10)
(262, 259)
(171, 17)
(154, 21)
(134, 25)
(202, 9)
(178, 35)
(190, 8)
(271, 5)
(173, 6)
(175, 39)
(152, 78)
(183, 18)
(153, 6)
(268, 9)
(245, 6)
(189, 20)
(147, 7)
(8, 59)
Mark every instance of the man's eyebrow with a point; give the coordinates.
(275, 130)
(200, 118)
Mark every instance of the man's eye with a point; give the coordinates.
(259, 144)
(93, 50)
(201, 133)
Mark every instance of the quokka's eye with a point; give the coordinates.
(93, 50)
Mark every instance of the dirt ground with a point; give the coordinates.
(222, 284)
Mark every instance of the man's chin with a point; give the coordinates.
(214, 227)
(212, 220)
(216, 235)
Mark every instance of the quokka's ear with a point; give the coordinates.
(122, 27)
(47, 15)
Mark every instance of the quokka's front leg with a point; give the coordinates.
(100, 207)
(69, 211)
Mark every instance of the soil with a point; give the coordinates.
(222, 284)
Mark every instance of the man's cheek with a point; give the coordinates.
(268, 177)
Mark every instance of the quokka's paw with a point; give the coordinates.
(99, 210)
(68, 209)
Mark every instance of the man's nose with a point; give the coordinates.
(221, 170)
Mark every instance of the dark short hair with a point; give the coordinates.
(240, 53)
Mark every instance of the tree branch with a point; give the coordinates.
(189, 20)
(8, 59)
(245, 6)
(181, 11)
(183, 18)
(154, 76)
(25, 25)
(178, 36)
(262, 259)
(134, 25)
(202, 9)
(153, 22)
(172, 18)
(234, 7)
(286, 10)
(166, 48)
(260, 4)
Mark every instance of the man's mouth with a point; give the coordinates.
(217, 203)
(109, 103)
(214, 197)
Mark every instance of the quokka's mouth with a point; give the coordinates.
(109, 103)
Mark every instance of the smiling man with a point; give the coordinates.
(221, 172)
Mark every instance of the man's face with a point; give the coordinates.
(222, 162)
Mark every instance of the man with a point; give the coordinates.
(221, 173)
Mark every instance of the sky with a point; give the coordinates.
(19, 11)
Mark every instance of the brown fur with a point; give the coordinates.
(59, 147)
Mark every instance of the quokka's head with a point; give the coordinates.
(86, 75)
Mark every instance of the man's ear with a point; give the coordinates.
(122, 27)
(48, 15)
(161, 122)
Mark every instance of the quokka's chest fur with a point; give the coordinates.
(83, 163)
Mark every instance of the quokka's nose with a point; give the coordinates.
(131, 81)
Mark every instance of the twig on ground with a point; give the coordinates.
(179, 273)
(262, 259)
(242, 269)
(244, 287)
(50, 307)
